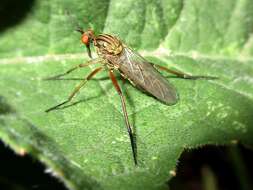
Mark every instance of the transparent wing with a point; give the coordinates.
(140, 72)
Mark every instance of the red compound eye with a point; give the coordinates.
(85, 39)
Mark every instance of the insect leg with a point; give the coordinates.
(90, 62)
(181, 74)
(94, 72)
(123, 104)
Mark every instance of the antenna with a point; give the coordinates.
(74, 22)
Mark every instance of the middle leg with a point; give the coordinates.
(92, 74)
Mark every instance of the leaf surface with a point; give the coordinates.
(86, 143)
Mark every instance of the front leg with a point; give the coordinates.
(90, 62)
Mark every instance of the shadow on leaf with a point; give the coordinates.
(5, 108)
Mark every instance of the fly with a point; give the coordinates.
(114, 55)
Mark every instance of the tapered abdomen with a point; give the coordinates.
(140, 72)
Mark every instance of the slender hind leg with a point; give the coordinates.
(181, 74)
(123, 104)
(93, 73)
(90, 62)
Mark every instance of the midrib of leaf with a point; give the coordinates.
(158, 53)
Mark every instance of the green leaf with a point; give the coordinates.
(86, 143)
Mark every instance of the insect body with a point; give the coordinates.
(135, 68)
(114, 55)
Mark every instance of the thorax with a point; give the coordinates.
(109, 47)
